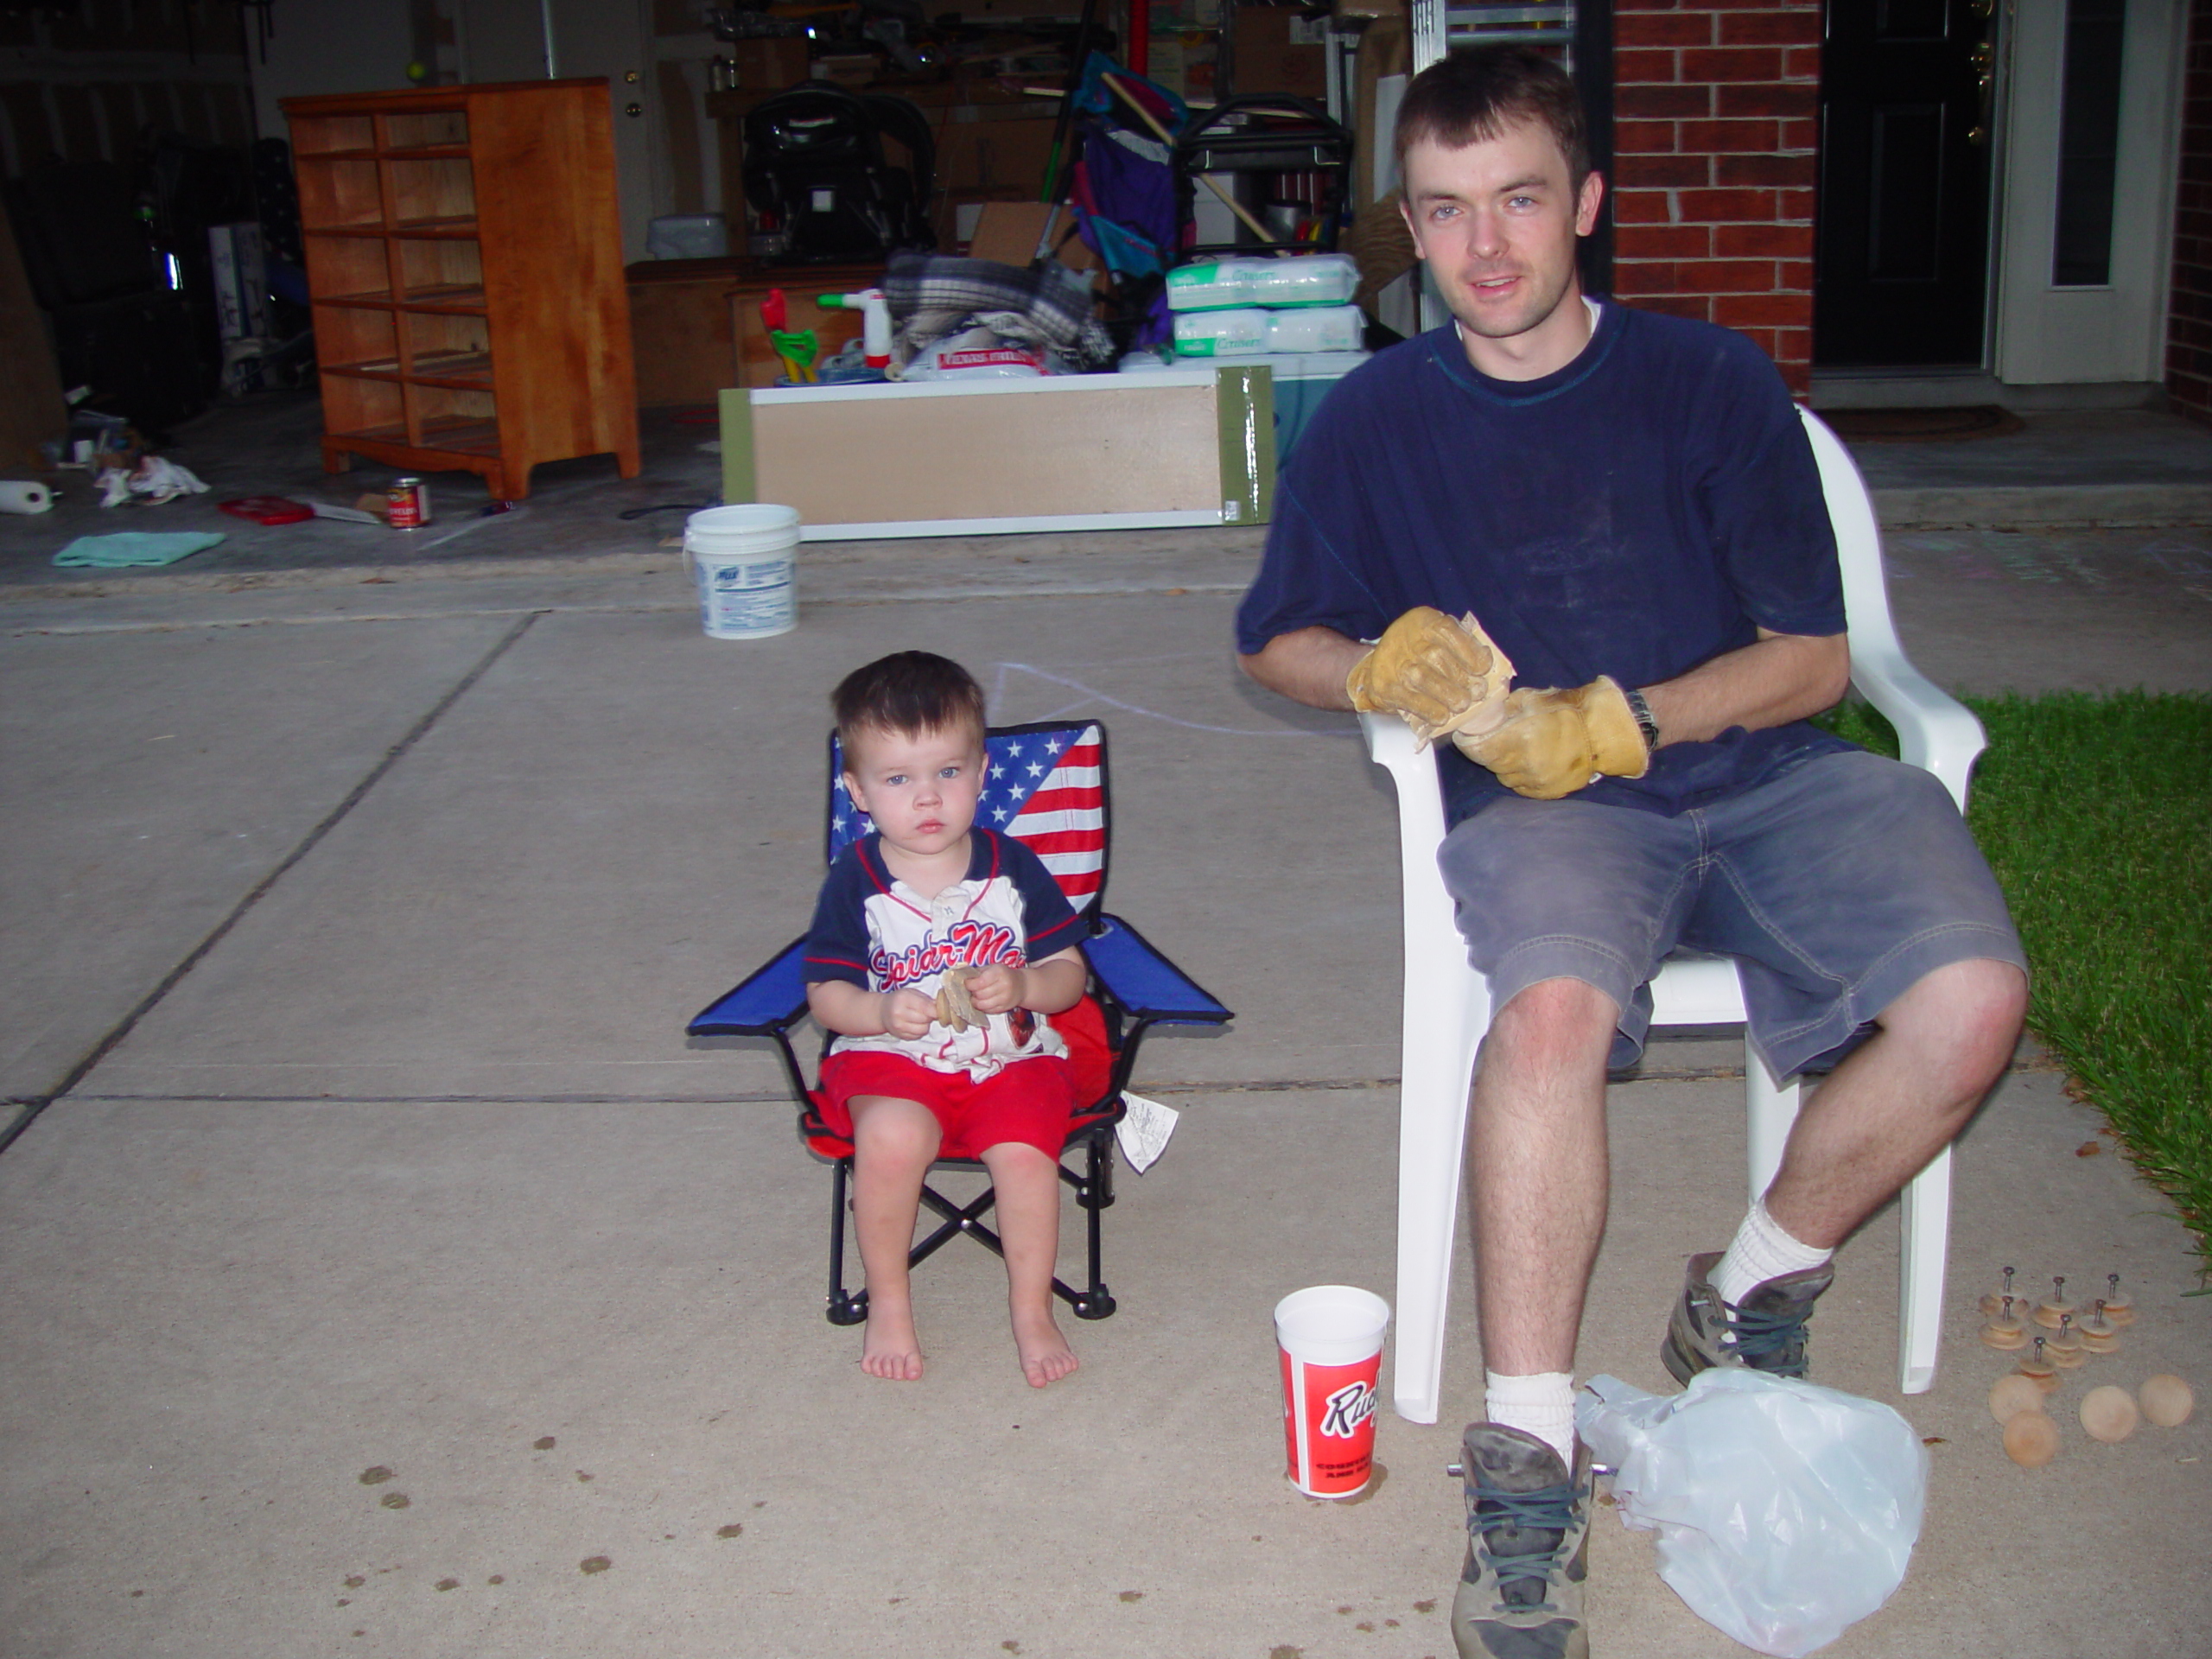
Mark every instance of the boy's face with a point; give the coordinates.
(919, 787)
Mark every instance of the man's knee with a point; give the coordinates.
(1560, 1021)
(1966, 1013)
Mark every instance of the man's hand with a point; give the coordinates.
(1553, 742)
(1432, 671)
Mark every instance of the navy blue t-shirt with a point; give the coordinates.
(1643, 510)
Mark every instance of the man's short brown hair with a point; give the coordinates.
(1472, 96)
(907, 693)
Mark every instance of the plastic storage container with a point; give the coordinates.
(688, 236)
(1307, 279)
(1302, 380)
(1252, 332)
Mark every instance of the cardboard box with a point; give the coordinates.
(1008, 231)
(1183, 64)
(241, 281)
(851, 70)
(769, 66)
(988, 147)
(960, 213)
(1275, 50)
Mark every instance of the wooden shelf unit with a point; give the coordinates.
(464, 263)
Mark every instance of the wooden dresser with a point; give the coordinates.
(465, 260)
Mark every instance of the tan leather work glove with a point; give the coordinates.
(1434, 673)
(1553, 742)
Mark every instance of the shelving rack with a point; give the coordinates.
(1441, 26)
(464, 263)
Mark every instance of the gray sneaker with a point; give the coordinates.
(1520, 1594)
(1766, 1332)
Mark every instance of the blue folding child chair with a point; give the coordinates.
(1045, 785)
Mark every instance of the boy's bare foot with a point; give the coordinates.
(891, 1350)
(1046, 1355)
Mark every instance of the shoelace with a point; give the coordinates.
(1547, 1509)
(1770, 1337)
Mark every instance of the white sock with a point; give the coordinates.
(1762, 1251)
(1542, 1405)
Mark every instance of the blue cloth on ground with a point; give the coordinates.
(130, 547)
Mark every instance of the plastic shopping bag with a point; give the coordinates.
(1786, 1512)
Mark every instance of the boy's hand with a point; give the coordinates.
(998, 989)
(908, 1013)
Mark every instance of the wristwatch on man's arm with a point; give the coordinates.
(1645, 723)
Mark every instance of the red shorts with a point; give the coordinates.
(1029, 1101)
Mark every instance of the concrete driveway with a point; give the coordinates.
(392, 1276)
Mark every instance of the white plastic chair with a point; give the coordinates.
(1447, 1004)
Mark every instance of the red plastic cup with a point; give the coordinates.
(1330, 1338)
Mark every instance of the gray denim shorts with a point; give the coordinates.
(1837, 885)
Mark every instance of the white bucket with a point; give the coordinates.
(740, 559)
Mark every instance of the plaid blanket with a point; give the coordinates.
(930, 293)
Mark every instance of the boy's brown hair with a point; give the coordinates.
(908, 692)
(1468, 96)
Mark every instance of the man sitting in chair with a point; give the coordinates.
(1628, 504)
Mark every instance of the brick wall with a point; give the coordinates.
(2188, 317)
(1716, 122)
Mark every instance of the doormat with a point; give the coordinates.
(1920, 425)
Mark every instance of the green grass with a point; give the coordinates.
(2096, 814)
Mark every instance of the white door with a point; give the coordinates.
(530, 39)
(501, 40)
(2056, 321)
(614, 38)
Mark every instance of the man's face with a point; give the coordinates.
(1497, 221)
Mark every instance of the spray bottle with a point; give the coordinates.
(875, 322)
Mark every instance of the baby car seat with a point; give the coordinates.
(815, 168)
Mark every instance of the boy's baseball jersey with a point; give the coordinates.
(872, 929)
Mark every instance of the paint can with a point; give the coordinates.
(407, 504)
(741, 561)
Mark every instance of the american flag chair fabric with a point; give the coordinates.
(1045, 784)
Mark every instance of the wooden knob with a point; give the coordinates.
(2031, 1439)
(2108, 1414)
(2120, 1307)
(2012, 1394)
(2166, 1400)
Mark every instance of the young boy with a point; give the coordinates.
(927, 894)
